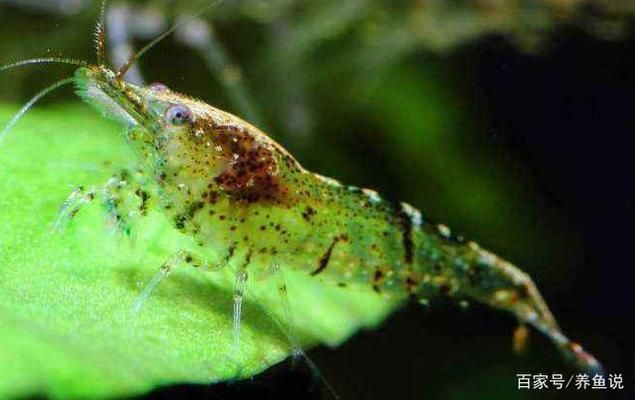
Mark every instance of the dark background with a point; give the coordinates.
(533, 158)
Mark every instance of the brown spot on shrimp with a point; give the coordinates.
(326, 257)
(251, 174)
(405, 225)
(308, 213)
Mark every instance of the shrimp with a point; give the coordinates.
(238, 193)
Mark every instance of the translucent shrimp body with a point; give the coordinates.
(237, 192)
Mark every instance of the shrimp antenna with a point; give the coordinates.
(30, 104)
(134, 57)
(43, 60)
(100, 34)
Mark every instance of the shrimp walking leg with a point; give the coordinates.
(71, 206)
(123, 196)
(239, 294)
(178, 258)
(292, 336)
(189, 258)
(289, 324)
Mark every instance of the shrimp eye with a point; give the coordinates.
(158, 87)
(178, 115)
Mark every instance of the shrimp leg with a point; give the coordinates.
(193, 260)
(189, 258)
(290, 332)
(178, 258)
(123, 196)
(239, 294)
(289, 324)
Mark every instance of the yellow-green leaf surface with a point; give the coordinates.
(66, 326)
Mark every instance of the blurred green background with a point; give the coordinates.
(509, 121)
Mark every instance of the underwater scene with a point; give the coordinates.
(361, 199)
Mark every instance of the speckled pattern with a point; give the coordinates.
(237, 192)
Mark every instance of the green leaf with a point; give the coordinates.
(66, 326)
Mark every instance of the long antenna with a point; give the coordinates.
(134, 57)
(30, 104)
(43, 60)
(100, 34)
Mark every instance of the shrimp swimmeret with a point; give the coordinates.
(237, 192)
